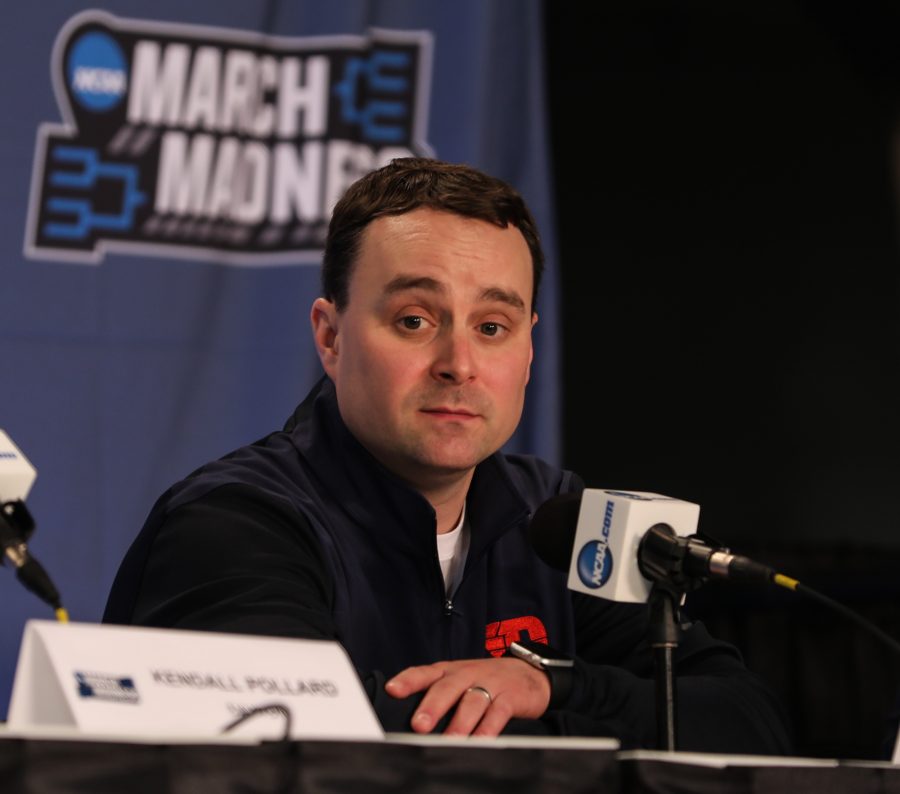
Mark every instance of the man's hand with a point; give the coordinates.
(487, 694)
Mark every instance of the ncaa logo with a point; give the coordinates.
(595, 564)
(101, 686)
(96, 71)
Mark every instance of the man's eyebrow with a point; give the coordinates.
(498, 294)
(403, 283)
(503, 296)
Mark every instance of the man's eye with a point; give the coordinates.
(411, 323)
(490, 329)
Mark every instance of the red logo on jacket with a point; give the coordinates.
(502, 633)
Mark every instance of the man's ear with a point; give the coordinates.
(324, 319)
(534, 319)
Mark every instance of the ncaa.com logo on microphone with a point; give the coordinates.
(595, 560)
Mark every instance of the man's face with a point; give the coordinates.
(432, 352)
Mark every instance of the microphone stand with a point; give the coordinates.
(662, 562)
(678, 565)
(663, 603)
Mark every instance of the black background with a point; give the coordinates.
(726, 198)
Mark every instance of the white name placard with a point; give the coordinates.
(154, 683)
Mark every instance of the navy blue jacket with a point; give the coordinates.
(305, 534)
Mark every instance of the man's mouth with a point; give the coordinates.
(451, 413)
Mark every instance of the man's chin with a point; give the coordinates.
(443, 466)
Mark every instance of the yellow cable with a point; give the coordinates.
(61, 615)
(785, 581)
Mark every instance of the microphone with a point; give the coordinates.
(615, 544)
(636, 547)
(17, 476)
(596, 536)
(687, 562)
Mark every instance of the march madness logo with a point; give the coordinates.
(215, 144)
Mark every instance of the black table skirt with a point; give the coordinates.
(70, 767)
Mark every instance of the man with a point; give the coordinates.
(384, 516)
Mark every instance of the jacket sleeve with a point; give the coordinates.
(234, 561)
(721, 705)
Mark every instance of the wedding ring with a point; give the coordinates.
(481, 690)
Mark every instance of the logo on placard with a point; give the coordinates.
(201, 142)
(101, 686)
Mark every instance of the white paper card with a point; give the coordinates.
(158, 682)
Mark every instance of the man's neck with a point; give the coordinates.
(448, 500)
(445, 491)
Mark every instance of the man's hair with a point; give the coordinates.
(410, 183)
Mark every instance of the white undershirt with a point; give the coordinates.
(452, 547)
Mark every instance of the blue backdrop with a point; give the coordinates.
(128, 364)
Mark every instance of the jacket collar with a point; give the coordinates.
(377, 499)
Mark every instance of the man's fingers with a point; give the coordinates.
(485, 693)
(414, 679)
(441, 697)
(495, 718)
(470, 709)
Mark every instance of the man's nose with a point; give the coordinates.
(453, 362)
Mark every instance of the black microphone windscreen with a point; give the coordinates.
(552, 529)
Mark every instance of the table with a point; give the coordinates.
(427, 765)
